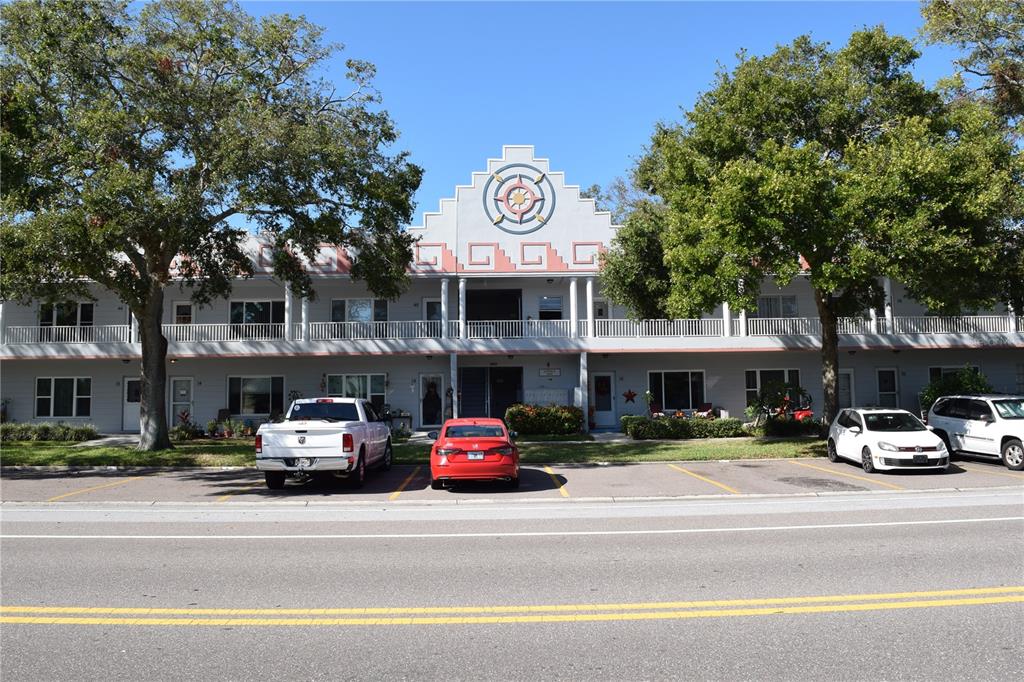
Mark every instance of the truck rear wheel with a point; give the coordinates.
(358, 476)
(275, 479)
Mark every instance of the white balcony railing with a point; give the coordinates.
(856, 325)
(198, 333)
(650, 328)
(970, 324)
(108, 333)
(783, 326)
(408, 329)
(518, 329)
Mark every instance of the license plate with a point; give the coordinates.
(475, 455)
(920, 458)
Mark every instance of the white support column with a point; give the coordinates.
(135, 329)
(743, 322)
(463, 331)
(574, 308)
(583, 392)
(1014, 321)
(305, 319)
(726, 319)
(3, 326)
(444, 309)
(454, 384)
(887, 284)
(288, 312)
(590, 306)
(874, 320)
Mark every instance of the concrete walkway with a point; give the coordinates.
(119, 440)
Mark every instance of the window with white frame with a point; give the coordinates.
(359, 310)
(67, 314)
(257, 312)
(888, 387)
(255, 395)
(184, 312)
(63, 396)
(550, 308)
(676, 389)
(372, 387)
(432, 309)
(758, 379)
(935, 373)
(1020, 378)
(777, 306)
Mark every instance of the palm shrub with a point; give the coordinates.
(965, 381)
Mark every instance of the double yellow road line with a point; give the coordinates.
(552, 613)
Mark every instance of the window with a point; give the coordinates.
(372, 387)
(257, 312)
(978, 410)
(776, 306)
(63, 396)
(888, 388)
(432, 309)
(359, 310)
(935, 373)
(550, 308)
(183, 313)
(255, 395)
(1020, 378)
(758, 379)
(67, 314)
(677, 390)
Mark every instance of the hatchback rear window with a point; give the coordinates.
(1010, 409)
(474, 431)
(893, 421)
(333, 412)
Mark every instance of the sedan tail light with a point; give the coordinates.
(347, 444)
(506, 450)
(259, 444)
(448, 452)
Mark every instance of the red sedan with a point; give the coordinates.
(473, 450)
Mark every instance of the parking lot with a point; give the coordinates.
(567, 482)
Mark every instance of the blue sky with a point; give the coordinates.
(584, 82)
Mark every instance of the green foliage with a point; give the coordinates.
(544, 419)
(184, 431)
(784, 425)
(211, 427)
(780, 396)
(45, 431)
(991, 34)
(677, 428)
(633, 272)
(966, 381)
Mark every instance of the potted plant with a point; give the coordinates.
(211, 428)
(229, 428)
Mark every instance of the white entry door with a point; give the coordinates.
(845, 388)
(431, 400)
(130, 409)
(604, 399)
(181, 400)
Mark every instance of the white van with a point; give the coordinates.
(986, 425)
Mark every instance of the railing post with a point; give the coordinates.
(3, 325)
(590, 306)
(463, 330)
(574, 313)
(1014, 326)
(444, 307)
(583, 392)
(288, 332)
(134, 330)
(743, 322)
(305, 319)
(874, 320)
(889, 317)
(726, 319)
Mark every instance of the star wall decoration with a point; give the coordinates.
(629, 395)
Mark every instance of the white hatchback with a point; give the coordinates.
(880, 439)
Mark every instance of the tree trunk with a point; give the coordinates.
(829, 354)
(153, 408)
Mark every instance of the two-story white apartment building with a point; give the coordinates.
(505, 306)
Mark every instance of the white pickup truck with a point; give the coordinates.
(338, 437)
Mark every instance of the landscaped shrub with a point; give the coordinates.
(544, 419)
(787, 426)
(61, 431)
(679, 428)
(966, 381)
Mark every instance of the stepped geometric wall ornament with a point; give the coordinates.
(519, 198)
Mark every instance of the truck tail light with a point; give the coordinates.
(259, 444)
(346, 442)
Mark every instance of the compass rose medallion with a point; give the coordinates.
(519, 198)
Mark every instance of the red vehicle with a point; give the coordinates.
(473, 450)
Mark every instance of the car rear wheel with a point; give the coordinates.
(866, 462)
(385, 464)
(833, 455)
(358, 476)
(1013, 454)
(275, 479)
(436, 484)
(513, 483)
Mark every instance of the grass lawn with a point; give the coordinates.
(239, 452)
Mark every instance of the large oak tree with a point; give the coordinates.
(837, 165)
(137, 138)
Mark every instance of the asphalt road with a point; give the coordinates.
(895, 585)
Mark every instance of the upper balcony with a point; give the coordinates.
(508, 336)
